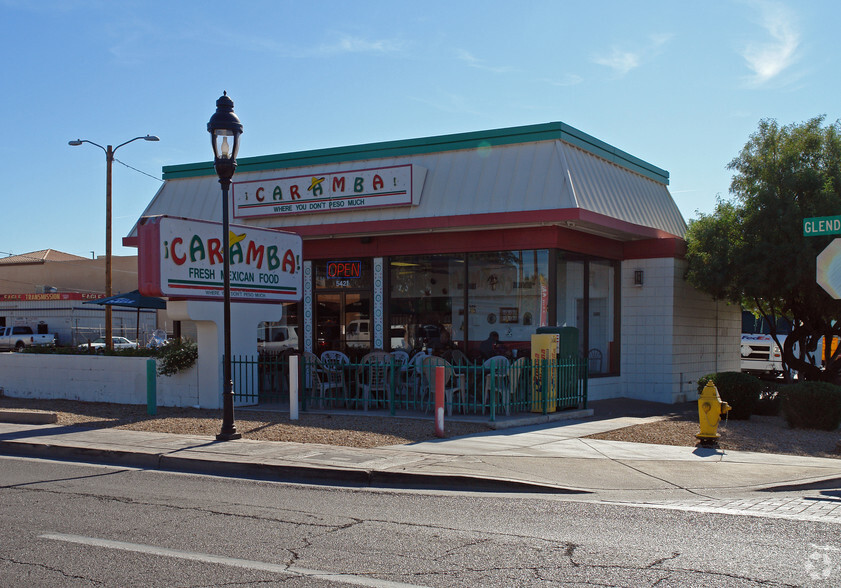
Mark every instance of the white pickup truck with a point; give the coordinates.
(19, 337)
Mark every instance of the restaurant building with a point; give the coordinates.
(499, 231)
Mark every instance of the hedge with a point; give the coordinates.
(740, 391)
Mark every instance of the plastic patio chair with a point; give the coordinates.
(373, 379)
(453, 382)
(497, 379)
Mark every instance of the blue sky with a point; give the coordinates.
(680, 84)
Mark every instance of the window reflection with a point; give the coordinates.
(508, 294)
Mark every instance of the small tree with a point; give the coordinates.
(751, 250)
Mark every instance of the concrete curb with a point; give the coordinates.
(280, 472)
(28, 417)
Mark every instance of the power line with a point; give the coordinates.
(138, 170)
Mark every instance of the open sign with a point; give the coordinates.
(344, 270)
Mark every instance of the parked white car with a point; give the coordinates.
(119, 343)
(282, 337)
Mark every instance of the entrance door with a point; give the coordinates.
(343, 322)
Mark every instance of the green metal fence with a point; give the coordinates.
(383, 383)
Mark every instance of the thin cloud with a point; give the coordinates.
(349, 44)
(477, 63)
(623, 61)
(619, 61)
(769, 58)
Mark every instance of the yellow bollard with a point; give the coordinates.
(710, 411)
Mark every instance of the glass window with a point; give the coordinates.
(586, 299)
(570, 295)
(425, 300)
(343, 273)
(507, 299)
(280, 335)
(600, 320)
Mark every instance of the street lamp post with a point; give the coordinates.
(222, 125)
(109, 159)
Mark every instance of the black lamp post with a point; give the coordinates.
(109, 160)
(224, 124)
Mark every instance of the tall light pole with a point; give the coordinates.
(109, 159)
(222, 125)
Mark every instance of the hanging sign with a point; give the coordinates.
(182, 258)
(398, 185)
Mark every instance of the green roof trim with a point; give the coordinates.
(442, 143)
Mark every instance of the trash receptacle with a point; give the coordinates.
(555, 361)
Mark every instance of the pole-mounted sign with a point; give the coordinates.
(821, 225)
(829, 269)
(182, 258)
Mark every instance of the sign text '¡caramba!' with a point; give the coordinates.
(211, 250)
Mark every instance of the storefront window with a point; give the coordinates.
(508, 294)
(600, 320)
(570, 295)
(352, 274)
(590, 306)
(426, 297)
(277, 336)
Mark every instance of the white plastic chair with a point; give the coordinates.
(401, 361)
(319, 379)
(453, 382)
(414, 381)
(335, 364)
(497, 379)
(520, 380)
(374, 377)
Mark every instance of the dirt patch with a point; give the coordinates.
(763, 434)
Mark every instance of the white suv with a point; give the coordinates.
(281, 337)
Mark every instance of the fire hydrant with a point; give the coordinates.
(710, 411)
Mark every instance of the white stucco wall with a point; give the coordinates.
(93, 378)
(671, 334)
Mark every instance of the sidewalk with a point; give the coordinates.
(549, 457)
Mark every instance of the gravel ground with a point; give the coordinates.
(347, 430)
(764, 434)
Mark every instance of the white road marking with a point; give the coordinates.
(227, 561)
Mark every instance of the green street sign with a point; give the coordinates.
(821, 225)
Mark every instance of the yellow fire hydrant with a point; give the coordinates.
(710, 411)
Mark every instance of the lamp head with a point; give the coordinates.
(223, 124)
(75, 143)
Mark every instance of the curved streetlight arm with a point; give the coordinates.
(78, 142)
(145, 138)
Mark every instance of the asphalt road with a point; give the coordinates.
(71, 524)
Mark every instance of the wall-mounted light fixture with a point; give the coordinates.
(638, 277)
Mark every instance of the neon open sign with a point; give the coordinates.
(344, 270)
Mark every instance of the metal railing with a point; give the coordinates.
(387, 385)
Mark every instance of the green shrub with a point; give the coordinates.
(740, 391)
(177, 356)
(812, 405)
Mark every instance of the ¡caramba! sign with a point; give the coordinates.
(182, 258)
(398, 185)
